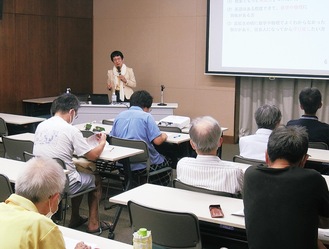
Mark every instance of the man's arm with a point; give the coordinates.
(94, 154)
(160, 139)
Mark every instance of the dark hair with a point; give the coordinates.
(141, 98)
(289, 143)
(268, 116)
(310, 99)
(115, 54)
(65, 103)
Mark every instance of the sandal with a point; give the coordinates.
(103, 226)
(81, 221)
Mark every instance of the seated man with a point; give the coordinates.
(267, 118)
(137, 123)
(57, 138)
(25, 216)
(310, 100)
(207, 170)
(284, 203)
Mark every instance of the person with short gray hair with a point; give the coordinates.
(207, 170)
(267, 118)
(25, 215)
(284, 203)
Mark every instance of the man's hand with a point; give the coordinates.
(82, 245)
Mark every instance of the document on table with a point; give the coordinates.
(71, 243)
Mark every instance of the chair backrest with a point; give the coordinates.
(253, 162)
(169, 229)
(178, 184)
(318, 145)
(136, 144)
(86, 133)
(14, 148)
(170, 129)
(5, 188)
(107, 121)
(3, 128)
(27, 156)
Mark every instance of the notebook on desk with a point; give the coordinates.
(100, 99)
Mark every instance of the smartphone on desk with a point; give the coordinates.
(216, 211)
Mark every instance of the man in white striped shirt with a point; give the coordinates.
(207, 170)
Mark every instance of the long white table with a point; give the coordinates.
(317, 155)
(173, 137)
(11, 168)
(90, 113)
(110, 152)
(173, 199)
(72, 236)
(20, 119)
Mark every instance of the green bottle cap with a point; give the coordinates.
(142, 232)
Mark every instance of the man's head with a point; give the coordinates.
(289, 143)
(142, 99)
(268, 117)
(41, 181)
(310, 100)
(205, 134)
(117, 58)
(66, 103)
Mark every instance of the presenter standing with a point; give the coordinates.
(121, 79)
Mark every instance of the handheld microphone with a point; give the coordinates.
(119, 70)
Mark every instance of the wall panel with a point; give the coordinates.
(44, 46)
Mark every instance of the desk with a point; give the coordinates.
(82, 126)
(173, 137)
(98, 241)
(11, 168)
(38, 106)
(90, 113)
(110, 152)
(18, 123)
(173, 199)
(317, 155)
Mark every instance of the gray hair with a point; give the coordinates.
(40, 179)
(205, 133)
(268, 116)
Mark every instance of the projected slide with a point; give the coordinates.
(274, 37)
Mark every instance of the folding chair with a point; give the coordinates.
(66, 195)
(14, 148)
(128, 174)
(5, 188)
(253, 162)
(169, 229)
(178, 184)
(318, 145)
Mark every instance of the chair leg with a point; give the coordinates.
(64, 211)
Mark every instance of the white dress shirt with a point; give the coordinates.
(210, 172)
(254, 146)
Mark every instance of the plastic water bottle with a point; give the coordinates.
(142, 239)
(114, 98)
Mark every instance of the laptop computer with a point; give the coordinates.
(99, 99)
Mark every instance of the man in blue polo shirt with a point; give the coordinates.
(137, 123)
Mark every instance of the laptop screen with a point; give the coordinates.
(100, 99)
